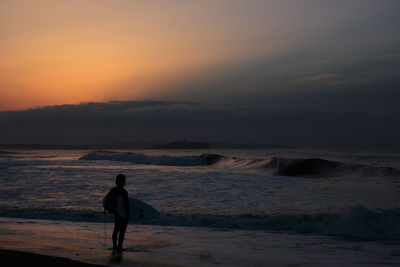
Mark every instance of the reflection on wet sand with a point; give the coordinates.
(116, 257)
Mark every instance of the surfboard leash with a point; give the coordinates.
(105, 229)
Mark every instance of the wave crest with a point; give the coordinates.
(163, 160)
(312, 167)
(325, 168)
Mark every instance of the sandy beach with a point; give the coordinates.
(182, 246)
(18, 258)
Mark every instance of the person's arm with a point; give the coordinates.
(126, 204)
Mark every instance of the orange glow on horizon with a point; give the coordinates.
(57, 52)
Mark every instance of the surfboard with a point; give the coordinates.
(141, 211)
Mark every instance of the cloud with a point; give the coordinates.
(344, 102)
(89, 113)
(162, 121)
(262, 78)
(112, 105)
(168, 114)
(317, 77)
(389, 56)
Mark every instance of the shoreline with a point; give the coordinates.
(170, 246)
(23, 258)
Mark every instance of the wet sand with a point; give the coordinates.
(83, 242)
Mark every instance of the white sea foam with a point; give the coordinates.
(357, 222)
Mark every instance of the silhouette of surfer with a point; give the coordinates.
(118, 198)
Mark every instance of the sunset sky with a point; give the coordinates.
(262, 61)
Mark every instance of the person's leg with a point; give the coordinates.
(115, 232)
(122, 230)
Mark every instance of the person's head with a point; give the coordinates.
(120, 179)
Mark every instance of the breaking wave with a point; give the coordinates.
(317, 167)
(312, 167)
(358, 222)
(164, 160)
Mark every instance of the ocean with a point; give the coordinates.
(344, 193)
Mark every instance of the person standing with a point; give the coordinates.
(117, 202)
